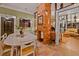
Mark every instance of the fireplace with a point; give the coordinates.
(40, 36)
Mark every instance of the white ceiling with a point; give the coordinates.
(24, 7)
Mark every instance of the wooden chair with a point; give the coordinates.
(53, 36)
(27, 49)
(4, 48)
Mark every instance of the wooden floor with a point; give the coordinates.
(68, 47)
(25, 51)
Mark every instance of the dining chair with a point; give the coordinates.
(1, 50)
(27, 49)
(4, 48)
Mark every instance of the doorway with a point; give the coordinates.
(67, 23)
(7, 25)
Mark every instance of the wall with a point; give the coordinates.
(18, 15)
(44, 10)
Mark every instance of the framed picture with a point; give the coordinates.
(25, 23)
(40, 20)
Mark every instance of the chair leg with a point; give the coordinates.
(1, 52)
(34, 53)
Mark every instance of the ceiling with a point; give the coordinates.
(27, 7)
(23, 7)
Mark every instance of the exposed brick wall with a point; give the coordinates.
(44, 10)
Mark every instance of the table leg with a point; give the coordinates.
(18, 50)
(12, 50)
(21, 50)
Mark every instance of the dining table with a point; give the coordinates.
(16, 40)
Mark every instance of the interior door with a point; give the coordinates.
(7, 25)
(2, 25)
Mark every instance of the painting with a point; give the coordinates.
(25, 23)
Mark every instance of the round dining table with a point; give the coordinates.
(15, 40)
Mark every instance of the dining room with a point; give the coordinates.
(34, 29)
(17, 35)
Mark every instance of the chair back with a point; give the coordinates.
(4, 36)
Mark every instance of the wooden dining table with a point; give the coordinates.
(15, 40)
